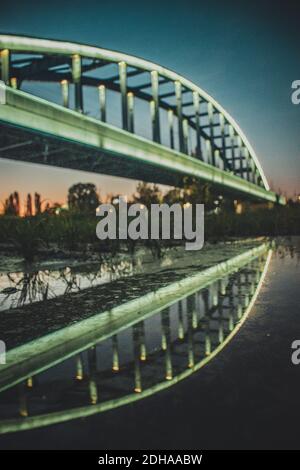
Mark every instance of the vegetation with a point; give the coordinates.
(45, 227)
(83, 198)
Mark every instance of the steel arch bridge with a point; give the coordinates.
(150, 123)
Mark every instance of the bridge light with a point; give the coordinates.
(29, 382)
(14, 82)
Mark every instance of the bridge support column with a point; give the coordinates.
(165, 326)
(137, 364)
(79, 367)
(115, 353)
(206, 320)
(123, 90)
(231, 134)
(223, 139)
(196, 101)
(191, 352)
(93, 391)
(171, 127)
(217, 158)
(248, 169)
(23, 405)
(102, 102)
(240, 154)
(76, 76)
(65, 93)
(155, 97)
(180, 321)
(208, 151)
(220, 321)
(178, 94)
(130, 104)
(5, 66)
(143, 350)
(185, 127)
(210, 112)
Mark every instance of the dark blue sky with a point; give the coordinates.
(245, 54)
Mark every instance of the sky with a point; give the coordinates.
(245, 54)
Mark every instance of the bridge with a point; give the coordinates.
(108, 112)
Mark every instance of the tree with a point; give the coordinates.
(12, 204)
(198, 193)
(173, 196)
(37, 203)
(83, 197)
(28, 208)
(147, 194)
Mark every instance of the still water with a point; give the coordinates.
(196, 394)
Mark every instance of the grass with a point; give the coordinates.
(73, 232)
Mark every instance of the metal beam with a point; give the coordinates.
(76, 76)
(178, 94)
(130, 104)
(196, 102)
(5, 65)
(102, 102)
(155, 98)
(123, 90)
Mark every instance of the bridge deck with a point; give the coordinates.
(37, 131)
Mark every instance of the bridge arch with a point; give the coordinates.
(182, 116)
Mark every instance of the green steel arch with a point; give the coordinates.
(204, 130)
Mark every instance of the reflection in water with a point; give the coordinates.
(17, 289)
(139, 360)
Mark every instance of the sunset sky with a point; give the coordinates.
(244, 54)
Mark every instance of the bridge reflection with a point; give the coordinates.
(141, 359)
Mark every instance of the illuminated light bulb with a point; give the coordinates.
(29, 382)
